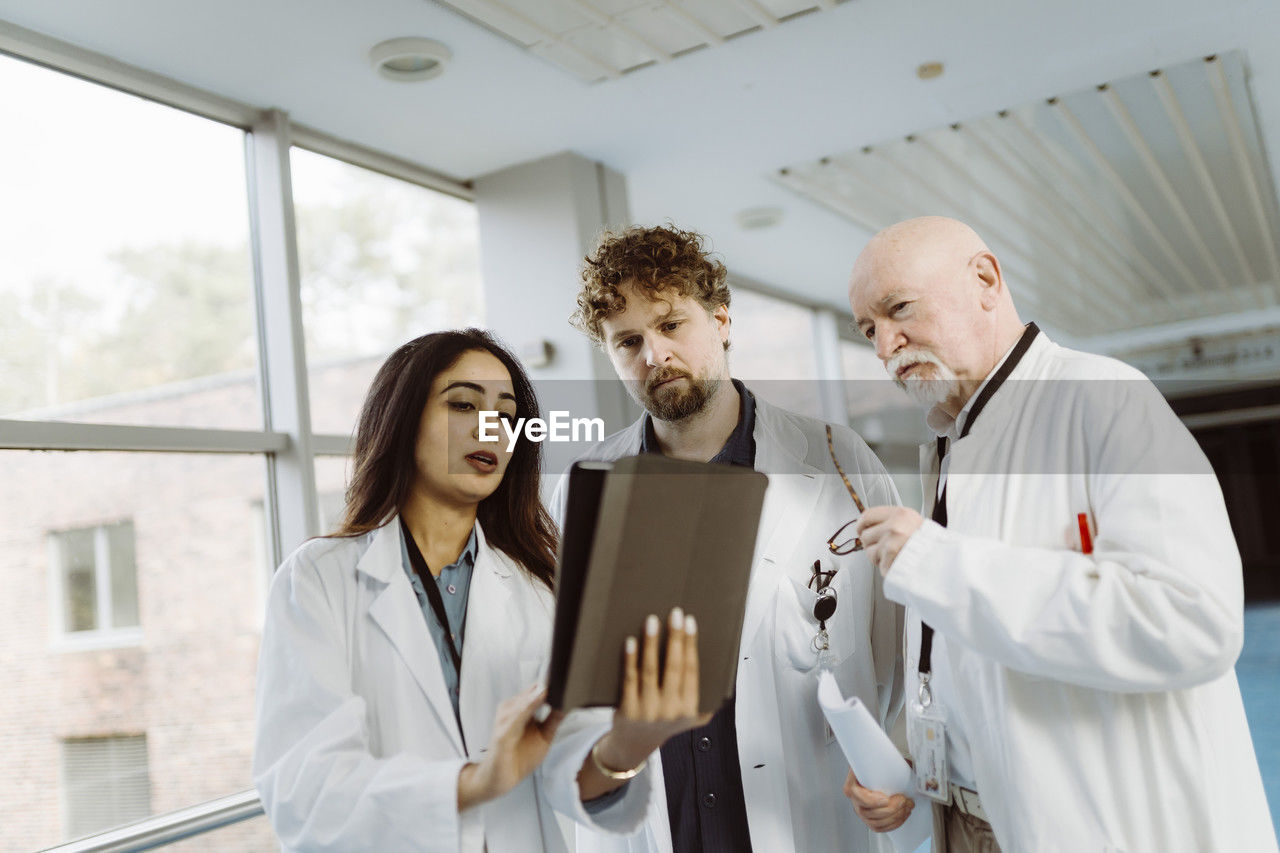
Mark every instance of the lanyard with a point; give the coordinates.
(940, 505)
(433, 595)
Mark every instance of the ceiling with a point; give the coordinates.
(1138, 202)
(701, 135)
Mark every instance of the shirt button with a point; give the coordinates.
(452, 589)
(704, 744)
(709, 800)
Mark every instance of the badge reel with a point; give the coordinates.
(823, 609)
(927, 736)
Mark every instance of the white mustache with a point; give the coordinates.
(906, 358)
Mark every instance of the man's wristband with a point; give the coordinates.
(617, 775)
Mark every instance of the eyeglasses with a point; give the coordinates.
(842, 543)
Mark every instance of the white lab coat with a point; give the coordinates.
(357, 744)
(1097, 692)
(792, 772)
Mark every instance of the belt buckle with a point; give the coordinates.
(967, 801)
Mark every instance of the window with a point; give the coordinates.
(125, 231)
(105, 783)
(182, 566)
(98, 577)
(382, 261)
(772, 351)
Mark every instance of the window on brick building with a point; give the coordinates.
(97, 577)
(105, 783)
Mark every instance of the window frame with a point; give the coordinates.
(286, 440)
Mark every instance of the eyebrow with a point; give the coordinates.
(884, 302)
(891, 298)
(479, 389)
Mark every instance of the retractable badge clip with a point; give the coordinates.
(824, 608)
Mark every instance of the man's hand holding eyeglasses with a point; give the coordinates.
(884, 530)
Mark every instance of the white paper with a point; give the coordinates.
(875, 760)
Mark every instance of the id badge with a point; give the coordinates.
(927, 738)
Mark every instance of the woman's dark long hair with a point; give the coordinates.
(514, 518)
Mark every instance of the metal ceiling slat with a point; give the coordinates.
(612, 24)
(810, 186)
(1046, 240)
(757, 12)
(690, 21)
(850, 173)
(1102, 249)
(1131, 131)
(1095, 214)
(550, 38)
(958, 209)
(1073, 125)
(1108, 228)
(1200, 168)
(1053, 199)
(1231, 121)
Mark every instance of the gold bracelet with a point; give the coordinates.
(619, 775)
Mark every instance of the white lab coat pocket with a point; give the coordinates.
(796, 629)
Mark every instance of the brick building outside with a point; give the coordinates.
(135, 585)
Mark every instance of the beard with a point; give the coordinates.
(924, 392)
(675, 402)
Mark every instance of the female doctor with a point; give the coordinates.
(396, 682)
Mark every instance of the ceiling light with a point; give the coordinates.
(754, 218)
(929, 70)
(410, 59)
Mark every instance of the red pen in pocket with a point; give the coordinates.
(1086, 540)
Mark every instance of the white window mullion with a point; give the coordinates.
(826, 351)
(291, 510)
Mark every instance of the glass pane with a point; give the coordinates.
(185, 680)
(331, 485)
(382, 261)
(868, 388)
(772, 351)
(127, 284)
(79, 585)
(124, 575)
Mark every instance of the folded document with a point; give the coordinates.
(875, 760)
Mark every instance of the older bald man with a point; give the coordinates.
(1074, 596)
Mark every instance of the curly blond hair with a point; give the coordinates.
(657, 260)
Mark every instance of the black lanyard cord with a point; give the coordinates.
(939, 514)
(433, 595)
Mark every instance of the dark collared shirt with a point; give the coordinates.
(705, 803)
(454, 584)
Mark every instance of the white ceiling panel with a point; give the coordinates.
(1141, 201)
(596, 40)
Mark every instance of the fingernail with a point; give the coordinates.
(651, 625)
(631, 645)
(690, 624)
(677, 618)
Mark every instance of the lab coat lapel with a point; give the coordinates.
(396, 611)
(788, 504)
(489, 626)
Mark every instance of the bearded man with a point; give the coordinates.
(764, 774)
(1074, 592)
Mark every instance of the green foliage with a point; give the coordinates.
(380, 264)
